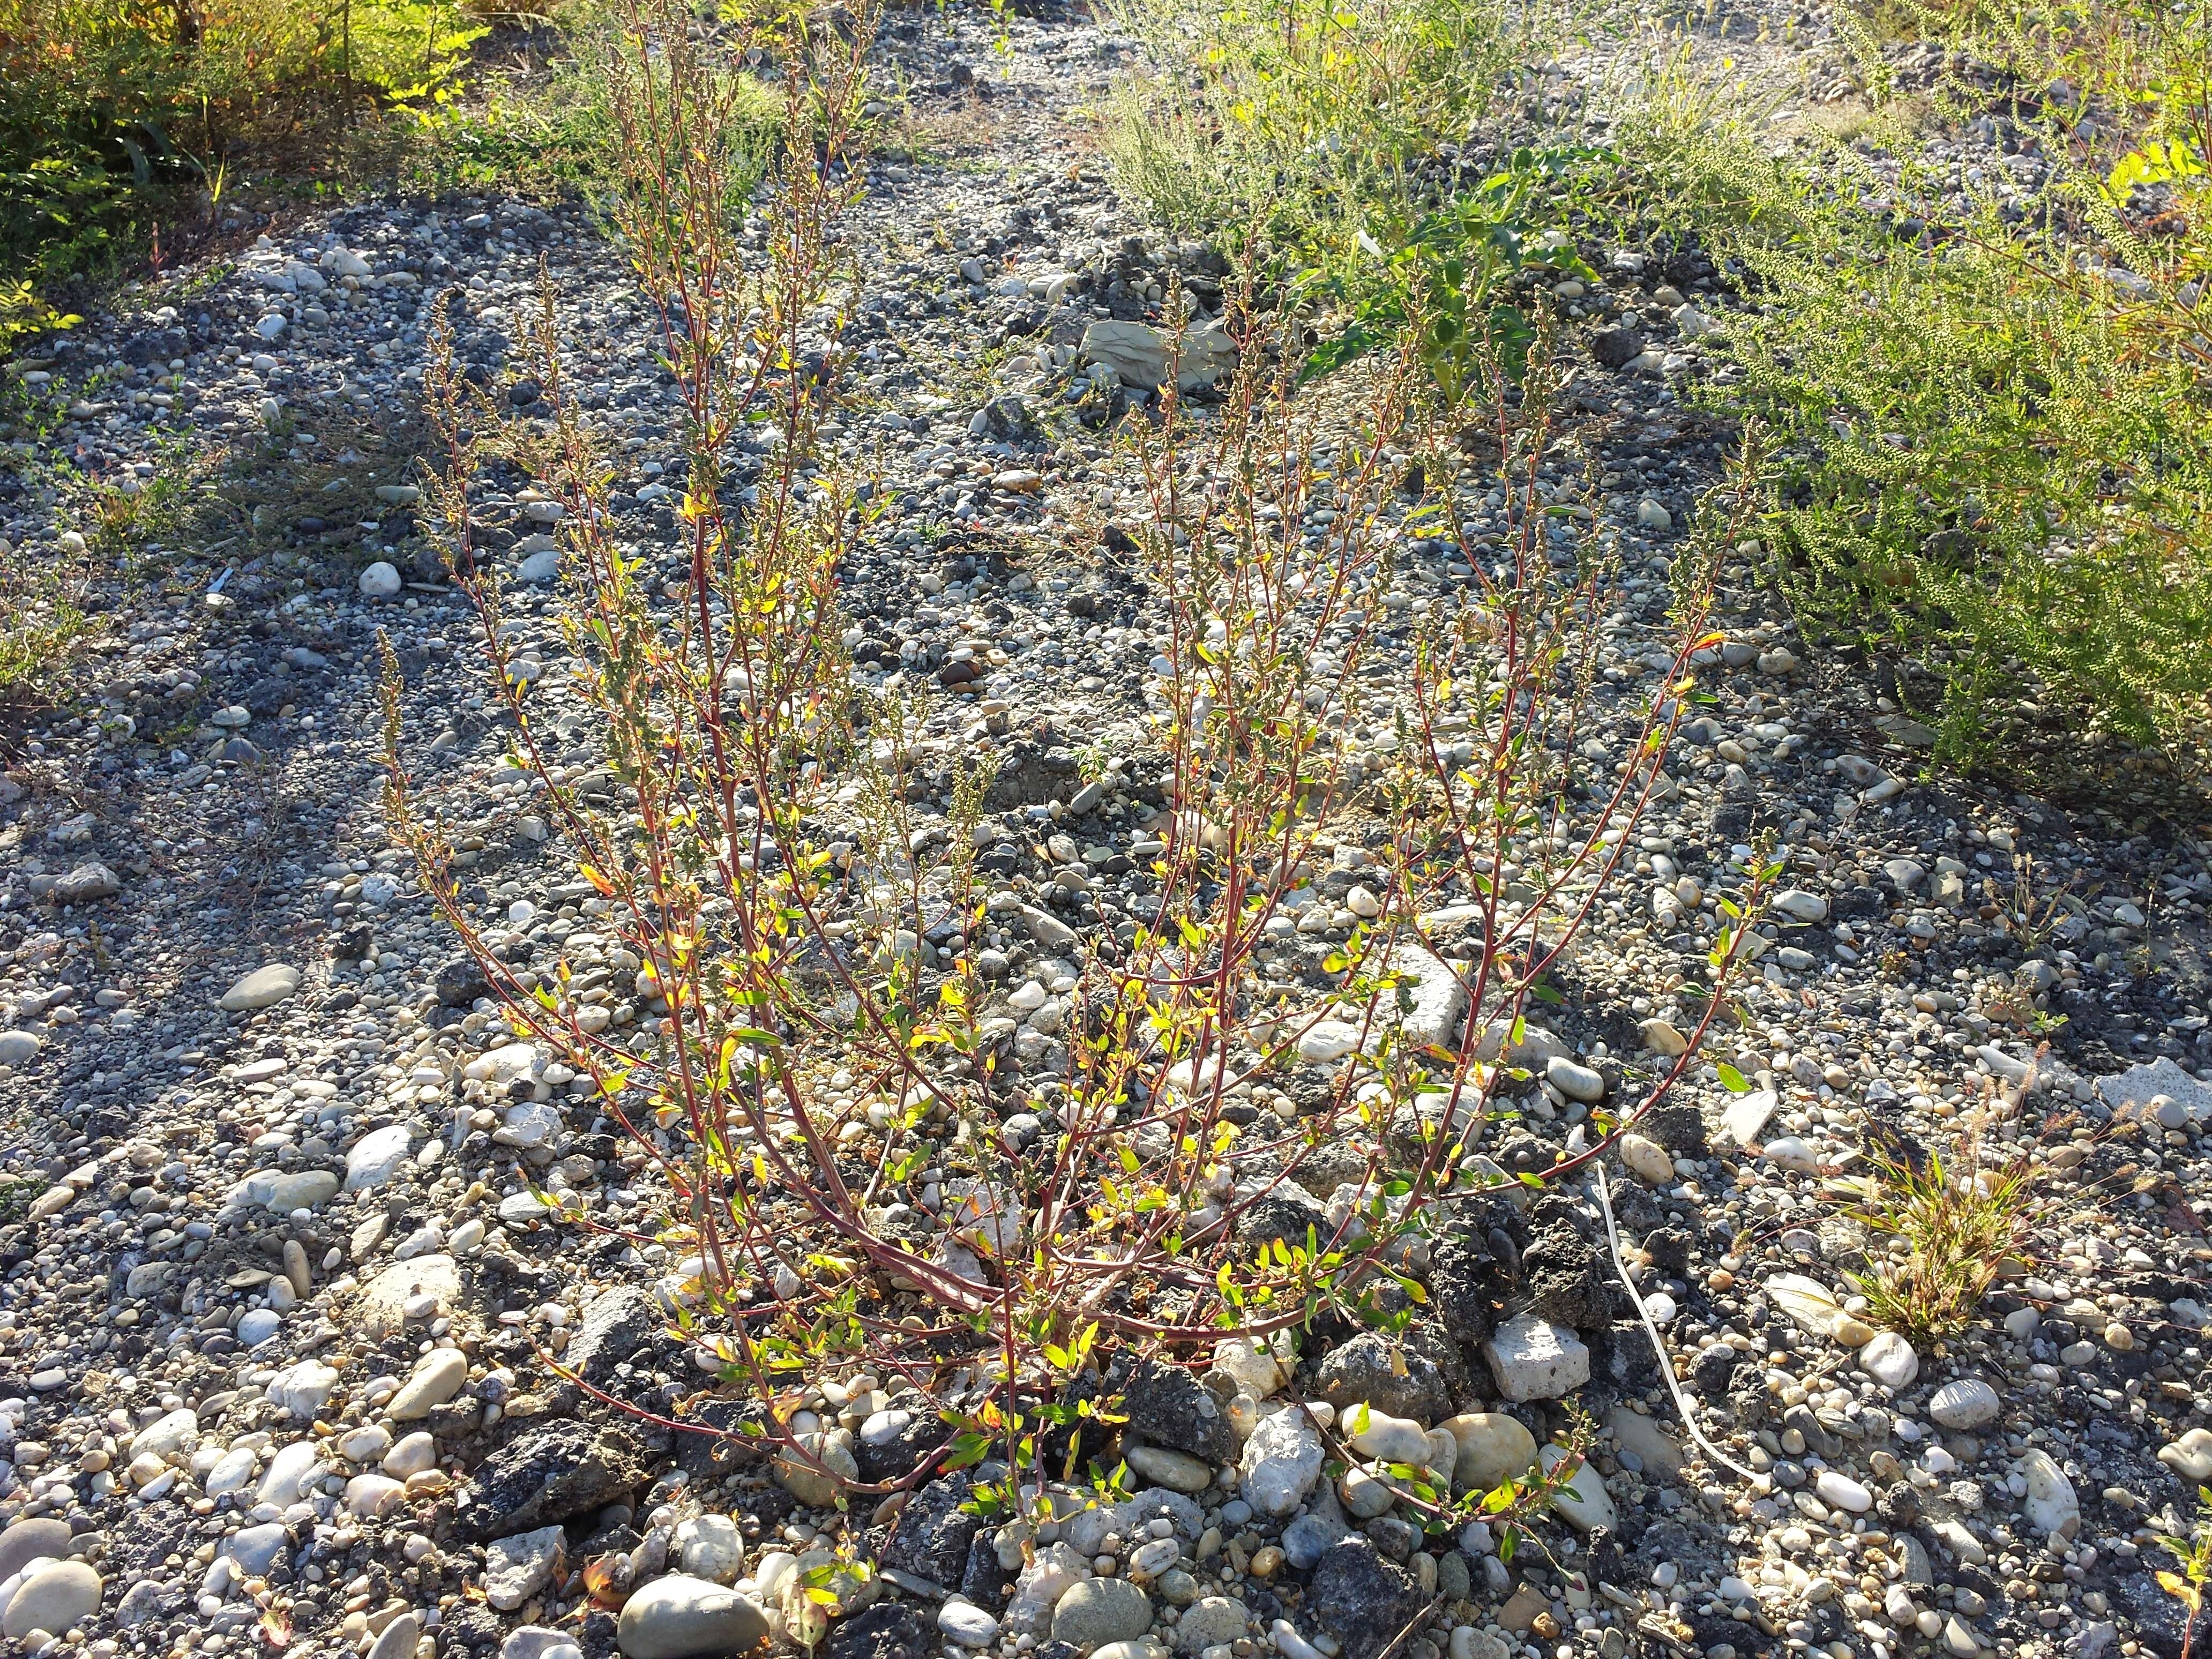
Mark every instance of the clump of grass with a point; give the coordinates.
(553, 130)
(42, 621)
(1951, 1228)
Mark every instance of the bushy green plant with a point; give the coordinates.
(1995, 442)
(1309, 119)
(117, 113)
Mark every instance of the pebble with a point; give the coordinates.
(2050, 1505)
(1965, 1404)
(55, 1596)
(1890, 1359)
(1098, 1612)
(518, 1568)
(1166, 1467)
(1533, 1358)
(1281, 1462)
(1493, 1449)
(711, 1546)
(1648, 1159)
(678, 1616)
(1574, 1079)
(2190, 1456)
(1392, 1439)
(265, 988)
(1843, 1492)
(439, 1375)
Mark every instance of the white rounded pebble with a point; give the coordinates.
(1890, 1360)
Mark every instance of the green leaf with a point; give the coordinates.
(1732, 1081)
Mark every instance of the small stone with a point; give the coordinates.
(1281, 1462)
(376, 1157)
(679, 1617)
(1099, 1611)
(1534, 1358)
(810, 1485)
(1967, 1404)
(2191, 1457)
(380, 580)
(1795, 902)
(711, 1546)
(1493, 1449)
(399, 1638)
(2050, 1505)
(1663, 1039)
(18, 1048)
(1575, 1080)
(967, 1624)
(1394, 1439)
(1209, 1622)
(256, 1549)
(1177, 1470)
(1843, 1492)
(264, 988)
(1647, 1159)
(41, 1539)
(439, 1375)
(1890, 1360)
(517, 1568)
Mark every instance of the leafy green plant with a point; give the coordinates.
(118, 115)
(807, 1045)
(1454, 274)
(23, 314)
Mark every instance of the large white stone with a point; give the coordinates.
(679, 1617)
(1281, 1462)
(1392, 1439)
(262, 988)
(439, 1375)
(1493, 1449)
(55, 1596)
(1890, 1360)
(2050, 1505)
(517, 1568)
(376, 1157)
(1534, 1358)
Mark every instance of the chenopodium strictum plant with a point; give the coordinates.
(827, 1094)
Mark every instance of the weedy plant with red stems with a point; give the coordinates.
(828, 1097)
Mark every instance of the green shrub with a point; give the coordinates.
(117, 113)
(1993, 454)
(1307, 120)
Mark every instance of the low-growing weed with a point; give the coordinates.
(1951, 1229)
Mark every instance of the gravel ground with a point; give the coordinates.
(277, 1287)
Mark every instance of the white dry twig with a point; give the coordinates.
(1763, 1483)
